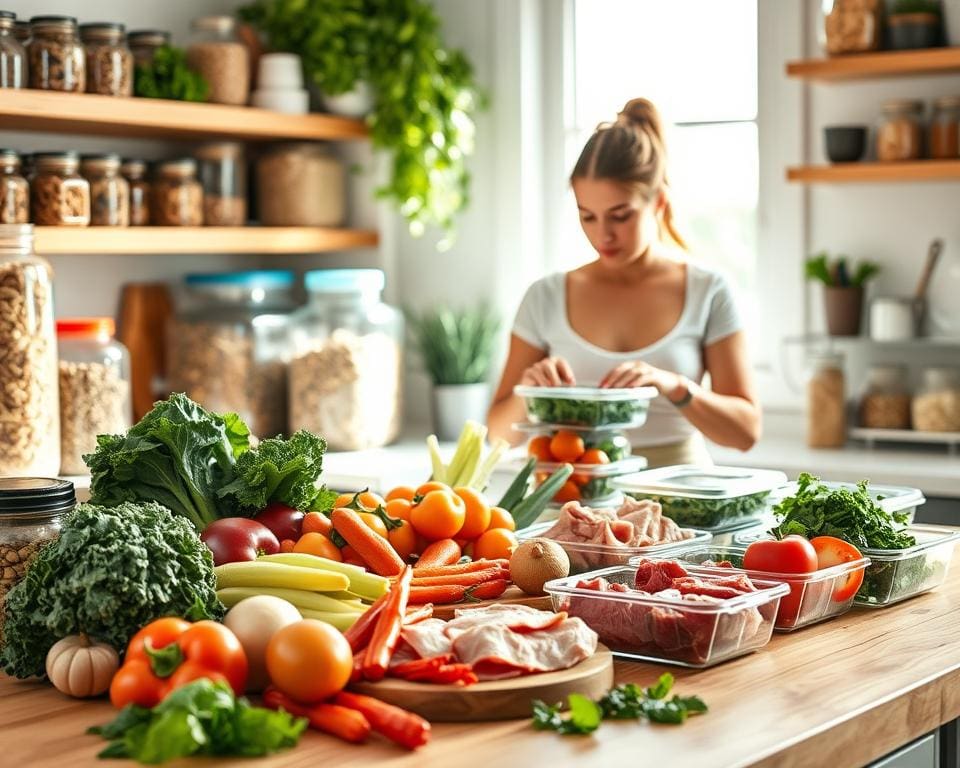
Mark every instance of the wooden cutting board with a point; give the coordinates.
(513, 595)
(497, 699)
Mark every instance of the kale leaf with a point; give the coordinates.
(709, 513)
(586, 413)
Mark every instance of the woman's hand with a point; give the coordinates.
(637, 373)
(549, 372)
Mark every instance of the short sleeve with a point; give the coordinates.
(529, 322)
(724, 318)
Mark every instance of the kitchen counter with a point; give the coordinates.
(842, 693)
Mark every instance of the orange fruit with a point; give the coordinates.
(594, 456)
(319, 545)
(365, 499)
(570, 491)
(477, 518)
(398, 508)
(495, 544)
(401, 492)
(432, 485)
(374, 523)
(309, 661)
(566, 446)
(403, 539)
(439, 515)
(539, 447)
(501, 518)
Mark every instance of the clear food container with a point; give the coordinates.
(109, 61)
(13, 56)
(896, 574)
(215, 51)
(14, 189)
(223, 174)
(109, 191)
(890, 498)
(177, 196)
(660, 629)
(813, 597)
(612, 441)
(711, 498)
(55, 58)
(587, 406)
(589, 483)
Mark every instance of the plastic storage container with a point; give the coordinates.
(144, 43)
(897, 574)
(55, 58)
(13, 56)
(300, 185)
(900, 131)
(890, 498)
(593, 481)
(223, 175)
(936, 404)
(613, 442)
(587, 406)
(228, 345)
(14, 190)
(176, 195)
(885, 401)
(628, 622)
(347, 360)
(94, 388)
(216, 52)
(135, 172)
(109, 61)
(711, 498)
(59, 195)
(29, 401)
(109, 191)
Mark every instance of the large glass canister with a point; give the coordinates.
(228, 345)
(55, 58)
(826, 401)
(936, 404)
(223, 174)
(109, 60)
(345, 375)
(13, 56)
(885, 401)
(109, 191)
(216, 52)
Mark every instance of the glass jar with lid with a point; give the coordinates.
(885, 402)
(216, 52)
(108, 59)
(944, 132)
(223, 174)
(59, 195)
(94, 388)
(900, 132)
(851, 26)
(144, 43)
(826, 400)
(347, 358)
(14, 190)
(55, 57)
(936, 404)
(228, 345)
(29, 401)
(176, 194)
(300, 184)
(109, 192)
(135, 172)
(13, 56)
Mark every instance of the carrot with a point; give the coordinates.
(360, 632)
(376, 660)
(462, 579)
(356, 675)
(448, 570)
(401, 727)
(344, 722)
(372, 548)
(458, 593)
(437, 669)
(417, 615)
(442, 552)
(489, 590)
(417, 666)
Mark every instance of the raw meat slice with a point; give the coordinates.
(428, 638)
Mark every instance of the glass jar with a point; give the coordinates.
(347, 357)
(899, 133)
(29, 402)
(300, 185)
(27, 168)
(944, 134)
(59, 195)
(936, 405)
(109, 60)
(228, 345)
(144, 43)
(851, 26)
(14, 190)
(885, 402)
(826, 401)
(215, 51)
(176, 194)
(13, 56)
(94, 388)
(138, 199)
(223, 174)
(21, 31)
(109, 191)
(55, 55)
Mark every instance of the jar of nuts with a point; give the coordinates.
(227, 346)
(31, 510)
(59, 195)
(144, 42)
(94, 388)
(109, 191)
(851, 26)
(177, 197)
(900, 133)
(13, 56)
(826, 401)
(223, 174)
(29, 404)
(885, 402)
(936, 405)
(14, 190)
(109, 60)
(135, 172)
(216, 52)
(55, 55)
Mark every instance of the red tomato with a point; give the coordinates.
(793, 554)
(833, 551)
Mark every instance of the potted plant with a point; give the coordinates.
(843, 291)
(915, 24)
(456, 348)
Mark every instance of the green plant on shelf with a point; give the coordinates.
(836, 271)
(901, 7)
(455, 346)
(169, 77)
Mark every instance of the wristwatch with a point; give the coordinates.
(687, 397)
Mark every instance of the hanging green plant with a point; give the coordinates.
(424, 94)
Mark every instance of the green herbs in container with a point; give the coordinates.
(587, 406)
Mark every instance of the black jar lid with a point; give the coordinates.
(25, 495)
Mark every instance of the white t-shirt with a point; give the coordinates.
(709, 314)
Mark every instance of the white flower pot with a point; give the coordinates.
(355, 103)
(454, 404)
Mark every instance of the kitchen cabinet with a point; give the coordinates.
(923, 753)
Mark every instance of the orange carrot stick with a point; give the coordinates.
(458, 593)
(345, 722)
(462, 579)
(361, 630)
(373, 548)
(442, 552)
(446, 570)
(376, 660)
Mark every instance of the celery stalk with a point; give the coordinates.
(482, 475)
(455, 467)
(436, 461)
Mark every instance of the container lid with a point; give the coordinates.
(344, 280)
(97, 29)
(23, 495)
(540, 428)
(62, 22)
(219, 150)
(183, 166)
(688, 481)
(263, 278)
(214, 23)
(902, 105)
(947, 102)
(598, 394)
(103, 161)
(890, 498)
(155, 37)
(133, 167)
(8, 156)
(927, 536)
(86, 327)
(7, 15)
(610, 469)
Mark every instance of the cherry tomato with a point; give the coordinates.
(833, 551)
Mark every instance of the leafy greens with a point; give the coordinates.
(586, 413)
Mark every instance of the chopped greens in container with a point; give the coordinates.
(709, 513)
(587, 406)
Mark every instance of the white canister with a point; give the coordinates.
(892, 318)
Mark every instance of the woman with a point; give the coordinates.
(641, 314)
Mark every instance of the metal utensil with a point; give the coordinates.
(920, 294)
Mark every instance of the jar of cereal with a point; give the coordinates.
(14, 190)
(59, 195)
(109, 192)
(885, 402)
(55, 56)
(826, 401)
(177, 195)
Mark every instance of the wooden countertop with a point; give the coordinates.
(841, 693)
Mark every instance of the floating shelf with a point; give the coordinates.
(862, 66)
(81, 113)
(173, 240)
(872, 436)
(914, 170)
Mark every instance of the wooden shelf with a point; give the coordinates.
(915, 170)
(82, 113)
(862, 66)
(173, 240)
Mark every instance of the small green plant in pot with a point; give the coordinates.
(915, 24)
(843, 290)
(456, 347)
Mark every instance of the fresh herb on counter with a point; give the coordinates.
(585, 716)
(587, 413)
(708, 513)
(201, 718)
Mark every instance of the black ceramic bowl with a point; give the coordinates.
(845, 143)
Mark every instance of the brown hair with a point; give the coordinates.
(631, 150)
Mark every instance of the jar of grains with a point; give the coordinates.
(347, 357)
(143, 44)
(228, 345)
(59, 195)
(899, 133)
(31, 511)
(29, 404)
(851, 26)
(14, 190)
(55, 57)
(216, 52)
(944, 134)
(13, 56)
(94, 388)
(109, 60)
(176, 194)
(223, 174)
(109, 191)
(885, 402)
(826, 401)
(936, 405)
(300, 185)
(135, 172)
